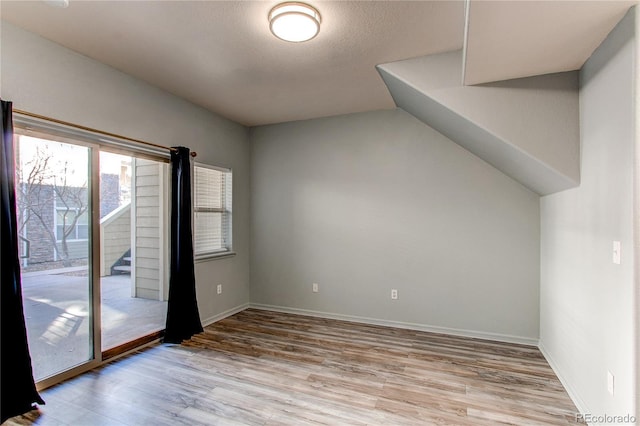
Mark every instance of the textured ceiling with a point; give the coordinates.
(220, 54)
(513, 39)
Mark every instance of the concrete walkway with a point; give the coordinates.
(57, 306)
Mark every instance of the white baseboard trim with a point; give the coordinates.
(398, 324)
(224, 314)
(579, 403)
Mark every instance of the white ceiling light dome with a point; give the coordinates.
(294, 21)
(62, 4)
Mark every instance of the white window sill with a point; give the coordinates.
(214, 256)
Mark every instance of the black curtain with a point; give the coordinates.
(183, 318)
(17, 387)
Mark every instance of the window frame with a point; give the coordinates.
(227, 207)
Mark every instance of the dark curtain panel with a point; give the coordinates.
(183, 318)
(17, 388)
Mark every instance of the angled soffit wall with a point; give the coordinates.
(527, 128)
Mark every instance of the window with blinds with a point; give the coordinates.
(212, 210)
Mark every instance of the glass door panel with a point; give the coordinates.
(133, 272)
(54, 207)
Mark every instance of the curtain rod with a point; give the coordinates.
(89, 129)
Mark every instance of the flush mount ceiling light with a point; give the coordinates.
(295, 22)
(62, 4)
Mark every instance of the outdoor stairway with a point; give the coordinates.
(122, 265)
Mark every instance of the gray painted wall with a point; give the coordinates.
(587, 302)
(364, 203)
(42, 77)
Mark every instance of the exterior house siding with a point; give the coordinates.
(149, 225)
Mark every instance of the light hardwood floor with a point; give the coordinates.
(266, 368)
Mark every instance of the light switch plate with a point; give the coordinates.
(616, 252)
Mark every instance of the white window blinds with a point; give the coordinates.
(212, 210)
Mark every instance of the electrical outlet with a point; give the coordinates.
(610, 382)
(394, 294)
(219, 289)
(314, 287)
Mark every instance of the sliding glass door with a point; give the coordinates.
(93, 228)
(133, 273)
(53, 186)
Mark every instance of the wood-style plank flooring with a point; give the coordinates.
(267, 368)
